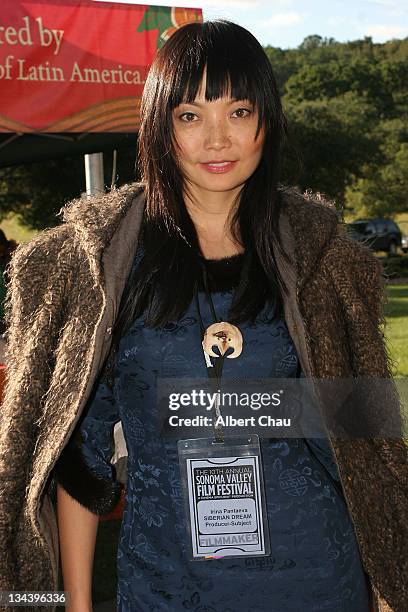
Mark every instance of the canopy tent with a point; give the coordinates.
(17, 148)
(72, 74)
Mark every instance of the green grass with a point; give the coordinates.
(396, 333)
(396, 329)
(15, 231)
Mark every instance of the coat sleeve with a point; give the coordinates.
(375, 469)
(35, 311)
(357, 277)
(84, 469)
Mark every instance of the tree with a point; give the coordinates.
(381, 192)
(36, 192)
(334, 136)
(335, 78)
(314, 42)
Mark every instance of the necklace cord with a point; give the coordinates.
(208, 292)
(214, 372)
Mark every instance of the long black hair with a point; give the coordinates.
(162, 285)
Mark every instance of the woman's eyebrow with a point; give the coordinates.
(199, 104)
(190, 104)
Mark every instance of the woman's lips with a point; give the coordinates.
(219, 167)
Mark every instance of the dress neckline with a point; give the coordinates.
(224, 273)
(232, 258)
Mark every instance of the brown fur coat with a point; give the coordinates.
(63, 299)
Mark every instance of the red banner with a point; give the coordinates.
(78, 65)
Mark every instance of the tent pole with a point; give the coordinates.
(94, 174)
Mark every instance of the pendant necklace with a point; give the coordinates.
(224, 336)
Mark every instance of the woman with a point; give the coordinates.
(141, 272)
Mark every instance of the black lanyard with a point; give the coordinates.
(214, 371)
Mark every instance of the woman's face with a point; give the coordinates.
(215, 143)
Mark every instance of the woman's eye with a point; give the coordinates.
(242, 112)
(187, 117)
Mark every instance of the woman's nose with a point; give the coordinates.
(217, 135)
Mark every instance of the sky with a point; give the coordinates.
(286, 23)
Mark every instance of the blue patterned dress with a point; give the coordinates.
(314, 563)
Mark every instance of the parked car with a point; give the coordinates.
(404, 244)
(377, 234)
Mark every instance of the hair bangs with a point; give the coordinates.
(229, 78)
